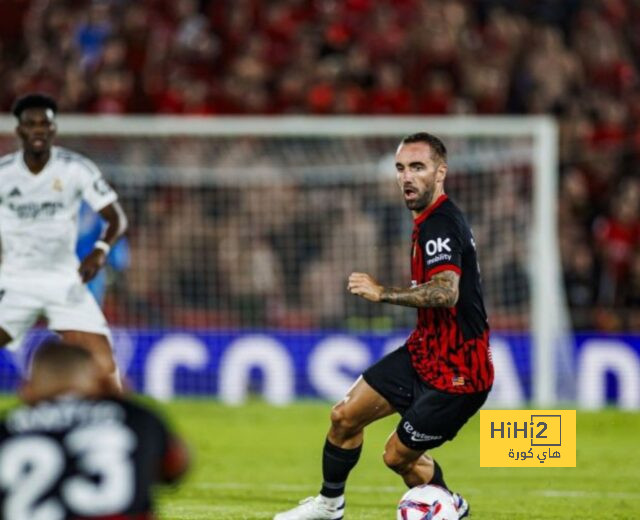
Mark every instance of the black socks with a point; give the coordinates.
(438, 478)
(338, 462)
(336, 465)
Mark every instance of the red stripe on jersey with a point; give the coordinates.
(444, 326)
(444, 267)
(469, 368)
(454, 332)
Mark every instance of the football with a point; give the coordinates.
(427, 502)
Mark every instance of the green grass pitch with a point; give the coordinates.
(255, 460)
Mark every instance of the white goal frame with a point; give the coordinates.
(548, 318)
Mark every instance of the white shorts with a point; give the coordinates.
(65, 303)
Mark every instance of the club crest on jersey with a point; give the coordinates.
(57, 184)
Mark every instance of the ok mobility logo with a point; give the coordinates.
(438, 247)
(527, 438)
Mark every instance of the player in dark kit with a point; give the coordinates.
(443, 374)
(73, 453)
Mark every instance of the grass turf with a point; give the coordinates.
(255, 460)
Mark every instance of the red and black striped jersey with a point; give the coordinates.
(449, 346)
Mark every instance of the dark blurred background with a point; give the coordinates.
(576, 60)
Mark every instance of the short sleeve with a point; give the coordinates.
(149, 425)
(164, 447)
(441, 244)
(95, 190)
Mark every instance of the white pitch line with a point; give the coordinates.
(291, 487)
(564, 493)
(550, 493)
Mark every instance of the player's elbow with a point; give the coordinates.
(449, 298)
(441, 299)
(447, 302)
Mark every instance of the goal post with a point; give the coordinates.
(336, 158)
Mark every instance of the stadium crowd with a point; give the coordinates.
(577, 60)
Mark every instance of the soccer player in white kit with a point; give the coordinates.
(41, 188)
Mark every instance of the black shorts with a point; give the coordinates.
(429, 417)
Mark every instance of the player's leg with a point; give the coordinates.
(433, 418)
(79, 320)
(414, 466)
(383, 389)
(417, 468)
(100, 347)
(18, 313)
(361, 406)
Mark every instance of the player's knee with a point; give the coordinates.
(396, 462)
(99, 347)
(342, 424)
(107, 362)
(104, 356)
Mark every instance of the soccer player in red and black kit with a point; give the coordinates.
(72, 452)
(443, 374)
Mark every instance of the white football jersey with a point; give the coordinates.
(39, 212)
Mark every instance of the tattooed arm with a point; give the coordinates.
(440, 291)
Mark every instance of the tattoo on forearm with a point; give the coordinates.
(440, 291)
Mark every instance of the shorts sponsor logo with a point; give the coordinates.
(417, 436)
(438, 245)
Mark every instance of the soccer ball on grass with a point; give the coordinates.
(427, 502)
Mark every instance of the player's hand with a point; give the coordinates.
(361, 284)
(91, 264)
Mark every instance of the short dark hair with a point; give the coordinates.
(33, 100)
(437, 146)
(59, 356)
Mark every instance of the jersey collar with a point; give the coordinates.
(23, 164)
(425, 214)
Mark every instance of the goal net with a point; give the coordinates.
(255, 223)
